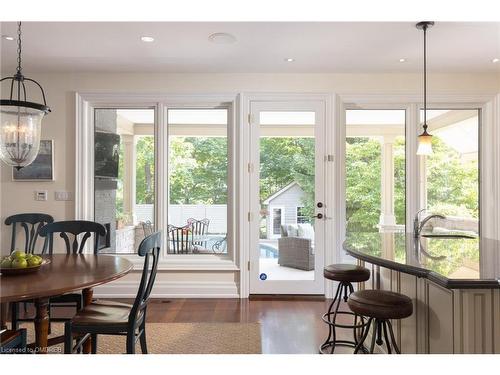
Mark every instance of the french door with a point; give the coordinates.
(287, 218)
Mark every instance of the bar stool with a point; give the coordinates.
(379, 306)
(345, 274)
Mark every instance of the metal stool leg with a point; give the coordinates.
(344, 289)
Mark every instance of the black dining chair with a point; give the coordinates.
(75, 228)
(114, 318)
(31, 223)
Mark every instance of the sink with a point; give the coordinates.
(448, 235)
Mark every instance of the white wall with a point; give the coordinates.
(60, 124)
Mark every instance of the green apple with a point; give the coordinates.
(6, 263)
(38, 259)
(19, 263)
(18, 254)
(34, 261)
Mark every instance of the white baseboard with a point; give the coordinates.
(170, 289)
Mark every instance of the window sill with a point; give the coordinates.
(186, 262)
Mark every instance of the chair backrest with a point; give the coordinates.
(74, 227)
(147, 227)
(31, 223)
(180, 239)
(200, 227)
(149, 248)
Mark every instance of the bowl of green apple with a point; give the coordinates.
(20, 263)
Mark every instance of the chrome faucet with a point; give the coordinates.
(419, 225)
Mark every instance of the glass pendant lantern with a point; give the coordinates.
(20, 119)
(425, 139)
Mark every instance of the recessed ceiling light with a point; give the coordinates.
(402, 60)
(8, 37)
(222, 38)
(289, 59)
(147, 39)
(495, 60)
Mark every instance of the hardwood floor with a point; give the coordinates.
(288, 325)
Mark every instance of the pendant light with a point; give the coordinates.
(425, 139)
(20, 119)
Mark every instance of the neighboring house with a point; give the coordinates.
(284, 207)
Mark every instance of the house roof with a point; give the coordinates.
(279, 192)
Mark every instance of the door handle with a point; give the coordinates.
(318, 216)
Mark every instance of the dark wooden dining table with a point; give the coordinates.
(64, 274)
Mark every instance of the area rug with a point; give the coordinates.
(179, 338)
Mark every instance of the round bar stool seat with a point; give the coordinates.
(379, 306)
(345, 275)
(346, 272)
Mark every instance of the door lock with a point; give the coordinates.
(319, 204)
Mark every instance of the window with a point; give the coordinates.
(375, 170)
(198, 180)
(124, 170)
(302, 216)
(451, 183)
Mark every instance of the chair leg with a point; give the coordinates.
(364, 334)
(142, 338)
(68, 338)
(15, 315)
(93, 343)
(131, 342)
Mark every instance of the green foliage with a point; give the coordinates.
(145, 170)
(452, 187)
(284, 160)
(198, 170)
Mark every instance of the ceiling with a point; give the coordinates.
(317, 47)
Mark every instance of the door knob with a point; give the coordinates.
(318, 216)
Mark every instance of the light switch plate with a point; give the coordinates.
(40, 195)
(62, 196)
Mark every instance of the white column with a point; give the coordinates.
(129, 174)
(387, 217)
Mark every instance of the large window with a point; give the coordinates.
(451, 179)
(198, 181)
(375, 170)
(124, 186)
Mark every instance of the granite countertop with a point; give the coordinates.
(450, 262)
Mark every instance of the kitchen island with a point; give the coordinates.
(454, 283)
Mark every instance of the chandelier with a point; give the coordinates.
(20, 119)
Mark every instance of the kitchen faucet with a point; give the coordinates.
(419, 225)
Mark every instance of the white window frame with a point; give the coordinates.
(86, 101)
(489, 154)
(271, 222)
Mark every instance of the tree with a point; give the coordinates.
(145, 170)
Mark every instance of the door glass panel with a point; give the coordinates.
(287, 195)
(452, 170)
(124, 172)
(375, 170)
(197, 181)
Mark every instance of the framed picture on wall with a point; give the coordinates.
(42, 168)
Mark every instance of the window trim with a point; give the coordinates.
(86, 101)
(489, 105)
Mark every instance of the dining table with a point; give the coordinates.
(60, 274)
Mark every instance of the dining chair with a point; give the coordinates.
(13, 341)
(179, 239)
(31, 223)
(200, 228)
(115, 318)
(74, 228)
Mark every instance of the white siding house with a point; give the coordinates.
(282, 208)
